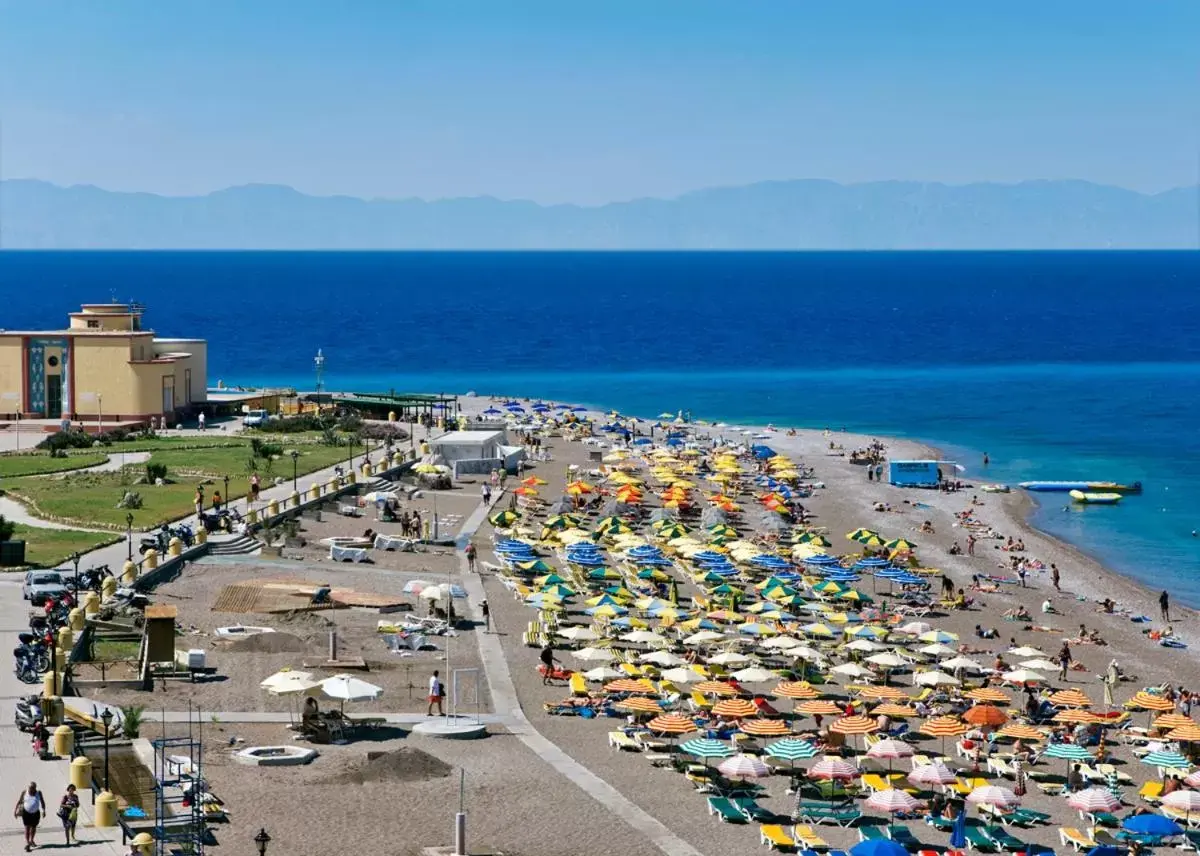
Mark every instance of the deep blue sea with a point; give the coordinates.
(1059, 365)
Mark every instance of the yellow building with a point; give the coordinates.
(103, 366)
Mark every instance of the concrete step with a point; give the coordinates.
(233, 545)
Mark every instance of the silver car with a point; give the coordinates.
(40, 585)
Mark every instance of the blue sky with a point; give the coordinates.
(588, 102)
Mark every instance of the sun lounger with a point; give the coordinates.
(620, 740)
(1182, 817)
(941, 824)
(347, 554)
(1077, 838)
(844, 816)
(871, 833)
(976, 840)
(578, 684)
(751, 810)
(1000, 837)
(1108, 770)
(1151, 792)
(660, 759)
(903, 836)
(393, 544)
(808, 839)
(1104, 837)
(1101, 818)
(1028, 816)
(875, 782)
(1052, 789)
(775, 836)
(1001, 767)
(725, 810)
(1191, 840)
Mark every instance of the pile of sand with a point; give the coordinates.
(402, 765)
(270, 643)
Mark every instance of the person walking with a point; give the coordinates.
(486, 491)
(970, 545)
(216, 501)
(201, 420)
(548, 661)
(1064, 661)
(437, 692)
(68, 813)
(470, 551)
(1164, 604)
(255, 486)
(487, 616)
(198, 500)
(1054, 576)
(31, 808)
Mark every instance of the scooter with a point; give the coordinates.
(27, 712)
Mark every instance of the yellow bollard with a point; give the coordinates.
(391, 416)
(108, 588)
(332, 485)
(397, 458)
(175, 547)
(150, 560)
(294, 499)
(60, 660)
(314, 491)
(144, 842)
(106, 811)
(366, 470)
(252, 515)
(91, 603)
(273, 508)
(81, 773)
(65, 638)
(201, 535)
(76, 620)
(64, 741)
(350, 478)
(129, 573)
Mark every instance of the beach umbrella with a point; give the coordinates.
(1148, 701)
(936, 773)
(594, 655)
(943, 727)
(985, 714)
(639, 686)
(865, 645)
(850, 725)
(734, 708)
(1185, 733)
(796, 690)
(1185, 801)
(578, 633)
(1070, 698)
(964, 663)
(890, 749)
(682, 676)
(1192, 780)
(914, 628)
(1019, 731)
(602, 673)
(882, 693)
(894, 710)
(833, 769)
(1094, 800)
(935, 678)
(1168, 721)
(891, 801)
(878, 847)
(704, 637)
(1167, 760)
(1069, 752)
(937, 649)
(640, 704)
(743, 767)
(672, 723)
(703, 747)
(754, 675)
(818, 707)
(1023, 676)
(778, 643)
(852, 670)
(661, 658)
(1027, 651)
(1039, 664)
(764, 727)
(993, 795)
(861, 534)
(1151, 824)
(989, 694)
(729, 658)
(888, 660)
(536, 566)
(285, 680)
(941, 636)
(1076, 715)
(346, 688)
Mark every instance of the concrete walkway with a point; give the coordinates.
(114, 463)
(508, 706)
(16, 512)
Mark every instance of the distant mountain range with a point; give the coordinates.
(785, 215)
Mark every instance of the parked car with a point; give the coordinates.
(256, 418)
(40, 585)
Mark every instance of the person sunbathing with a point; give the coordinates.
(1018, 613)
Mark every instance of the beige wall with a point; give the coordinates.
(12, 375)
(100, 365)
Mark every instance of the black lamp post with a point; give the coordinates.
(295, 456)
(350, 443)
(261, 841)
(75, 561)
(228, 501)
(107, 718)
(129, 534)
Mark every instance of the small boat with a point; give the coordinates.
(1095, 498)
(241, 631)
(1114, 487)
(1068, 486)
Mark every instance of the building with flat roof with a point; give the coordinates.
(103, 366)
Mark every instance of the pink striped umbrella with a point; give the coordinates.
(936, 773)
(1192, 780)
(1188, 801)
(1093, 800)
(744, 767)
(993, 795)
(833, 768)
(890, 748)
(892, 801)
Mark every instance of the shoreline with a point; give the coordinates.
(1085, 578)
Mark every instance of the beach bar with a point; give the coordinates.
(917, 473)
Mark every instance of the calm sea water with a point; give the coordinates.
(1059, 365)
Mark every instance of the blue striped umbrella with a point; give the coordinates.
(1167, 759)
(1068, 751)
(707, 748)
(792, 749)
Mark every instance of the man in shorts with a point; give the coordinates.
(437, 692)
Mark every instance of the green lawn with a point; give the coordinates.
(46, 548)
(232, 461)
(35, 463)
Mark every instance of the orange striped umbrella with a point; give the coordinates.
(892, 709)
(640, 704)
(944, 726)
(985, 714)
(765, 727)
(1076, 715)
(1017, 731)
(1172, 720)
(1148, 701)
(882, 693)
(672, 723)
(799, 690)
(640, 686)
(720, 688)
(734, 708)
(818, 707)
(989, 694)
(1070, 698)
(1185, 733)
(854, 725)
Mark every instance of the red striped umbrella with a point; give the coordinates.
(1093, 800)
(892, 801)
(936, 773)
(993, 795)
(833, 769)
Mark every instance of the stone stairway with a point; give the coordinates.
(233, 545)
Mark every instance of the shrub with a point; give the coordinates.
(60, 441)
(131, 720)
(263, 449)
(7, 528)
(384, 431)
(154, 472)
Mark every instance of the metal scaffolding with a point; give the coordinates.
(178, 789)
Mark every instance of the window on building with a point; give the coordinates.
(93, 324)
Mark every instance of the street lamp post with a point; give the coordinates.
(350, 443)
(99, 414)
(295, 456)
(107, 717)
(75, 560)
(129, 535)
(228, 501)
(261, 841)
(319, 367)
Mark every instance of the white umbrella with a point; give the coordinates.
(743, 767)
(804, 652)
(915, 628)
(593, 655)
(1023, 676)
(754, 675)
(890, 748)
(936, 773)
(1040, 664)
(964, 663)
(682, 676)
(299, 684)
(283, 678)
(644, 637)
(888, 660)
(729, 658)
(937, 649)
(346, 688)
(994, 796)
(603, 673)
(704, 637)
(780, 642)
(865, 645)
(1026, 651)
(933, 679)
(662, 658)
(853, 670)
(579, 633)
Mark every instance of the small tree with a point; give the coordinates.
(154, 472)
(131, 720)
(7, 528)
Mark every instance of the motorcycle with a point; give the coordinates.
(27, 713)
(29, 667)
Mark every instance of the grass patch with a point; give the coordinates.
(232, 461)
(108, 651)
(47, 548)
(39, 463)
